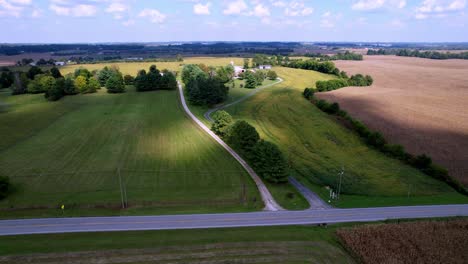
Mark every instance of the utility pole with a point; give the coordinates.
(121, 189)
(339, 185)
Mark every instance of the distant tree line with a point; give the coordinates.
(314, 65)
(265, 157)
(376, 140)
(339, 56)
(436, 55)
(354, 80)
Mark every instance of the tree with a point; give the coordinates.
(20, 83)
(81, 83)
(168, 81)
(242, 136)
(35, 86)
(55, 72)
(259, 77)
(115, 84)
(191, 71)
(204, 90)
(5, 186)
(272, 75)
(246, 63)
(221, 123)
(128, 79)
(69, 87)
(141, 82)
(104, 75)
(179, 58)
(83, 72)
(33, 71)
(308, 93)
(250, 80)
(53, 88)
(268, 162)
(92, 86)
(6, 79)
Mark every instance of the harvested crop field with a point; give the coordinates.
(414, 242)
(418, 103)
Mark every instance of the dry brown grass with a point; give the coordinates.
(418, 103)
(414, 242)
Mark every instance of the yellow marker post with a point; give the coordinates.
(62, 207)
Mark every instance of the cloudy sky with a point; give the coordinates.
(64, 21)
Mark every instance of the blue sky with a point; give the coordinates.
(65, 21)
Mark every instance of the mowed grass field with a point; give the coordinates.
(83, 150)
(318, 147)
(282, 244)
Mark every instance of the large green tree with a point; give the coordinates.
(221, 122)
(268, 162)
(242, 136)
(115, 84)
(250, 80)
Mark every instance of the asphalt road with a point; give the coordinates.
(268, 200)
(265, 218)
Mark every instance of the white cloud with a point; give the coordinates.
(438, 8)
(401, 4)
(298, 8)
(397, 23)
(9, 9)
(154, 15)
(279, 4)
(21, 2)
(82, 10)
(329, 20)
(116, 8)
(128, 22)
(235, 8)
(261, 11)
(200, 9)
(36, 13)
(366, 5)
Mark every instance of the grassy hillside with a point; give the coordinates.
(317, 147)
(80, 150)
(283, 244)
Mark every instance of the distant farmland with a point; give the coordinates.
(419, 103)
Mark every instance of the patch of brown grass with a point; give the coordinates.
(412, 242)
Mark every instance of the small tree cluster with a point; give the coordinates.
(155, 80)
(308, 93)
(202, 88)
(6, 78)
(354, 80)
(265, 157)
(115, 83)
(272, 75)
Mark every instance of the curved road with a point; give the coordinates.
(268, 200)
(129, 223)
(207, 115)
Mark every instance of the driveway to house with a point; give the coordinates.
(268, 200)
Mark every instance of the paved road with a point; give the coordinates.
(312, 198)
(268, 200)
(207, 115)
(265, 218)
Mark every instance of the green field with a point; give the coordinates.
(317, 147)
(292, 244)
(87, 151)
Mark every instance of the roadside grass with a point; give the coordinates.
(80, 150)
(282, 244)
(318, 147)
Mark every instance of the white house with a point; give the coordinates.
(264, 67)
(59, 63)
(237, 69)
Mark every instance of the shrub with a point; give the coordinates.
(397, 151)
(242, 136)
(308, 93)
(5, 186)
(54, 89)
(272, 75)
(376, 139)
(115, 84)
(221, 123)
(333, 108)
(92, 86)
(35, 86)
(69, 87)
(422, 161)
(250, 80)
(128, 79)
(268, 162)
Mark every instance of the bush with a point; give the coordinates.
(272, 75)
(250, 80)
(92, 86)
(128, 79)
(323, 86)
(242, 136)
(397, 151)
(115, 84)
(54, 89)
(308, 93)
(69, 87)
(5, 186)
(268, 162)
(35, 86)
(221, 123)
(421, 161)
(376, 139)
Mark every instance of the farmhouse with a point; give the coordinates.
(237, 69)
(59, 63)
(264, 67)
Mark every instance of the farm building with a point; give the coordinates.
(264, 67)
(237, 69)
(59, 63)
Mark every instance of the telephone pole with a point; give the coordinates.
(341, 178)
